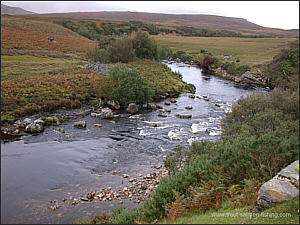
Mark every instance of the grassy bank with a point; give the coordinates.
(34, 91)
(250, 51)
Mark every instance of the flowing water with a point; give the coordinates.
(49, 166)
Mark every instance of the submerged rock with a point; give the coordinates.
(132, 108)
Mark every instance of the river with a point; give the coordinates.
(41, 168)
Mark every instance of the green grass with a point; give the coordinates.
(250, 51)
(281, 213)
(26, 65)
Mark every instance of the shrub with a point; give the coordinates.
(98, 55)
(132, 88)
(234, 69)
(145, 47)
(121, 50)
(164, 52)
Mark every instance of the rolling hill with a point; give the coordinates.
(195, 20)
(14, 10)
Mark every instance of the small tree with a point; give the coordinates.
(132, 88)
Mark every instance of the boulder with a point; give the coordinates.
(80, 124)
(280, 188)
(106, 113)
(95, 114)
(113, 104)
(184, 116)
(172, 100)
(34, 128)
(162, 114)
(189, 107)
(132, 108)
(158, 106)
(39, 121)
(167, 103)
(151, 106)
(191, 96)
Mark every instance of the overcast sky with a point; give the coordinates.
(275, 14)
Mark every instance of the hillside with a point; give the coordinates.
(35, 34)
(14, 10)
(198, 21)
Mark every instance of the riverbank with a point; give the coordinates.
(74, 88)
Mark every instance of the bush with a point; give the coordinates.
(98, 55)
(164, 52)
(132, 88)
(234, 69)
(121, 50)
(145, 47)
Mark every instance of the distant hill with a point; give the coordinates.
(14, 10)
(195, 20)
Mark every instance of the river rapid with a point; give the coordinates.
(49, 166)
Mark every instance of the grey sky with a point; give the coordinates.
(275, 14)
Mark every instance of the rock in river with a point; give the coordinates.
(189, 107)
(113, 104)
(80, 124)
(184, 116)
(162, 114)
(132, 108)
(34, 128)
(151, 106)
(106, 113)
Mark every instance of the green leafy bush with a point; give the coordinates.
(235, 69)
(98, 55)
(131, 87)
(145, 47)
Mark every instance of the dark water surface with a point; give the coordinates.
(49, 166)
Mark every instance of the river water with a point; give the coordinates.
(49, 166)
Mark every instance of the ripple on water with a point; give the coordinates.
(175, 134)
